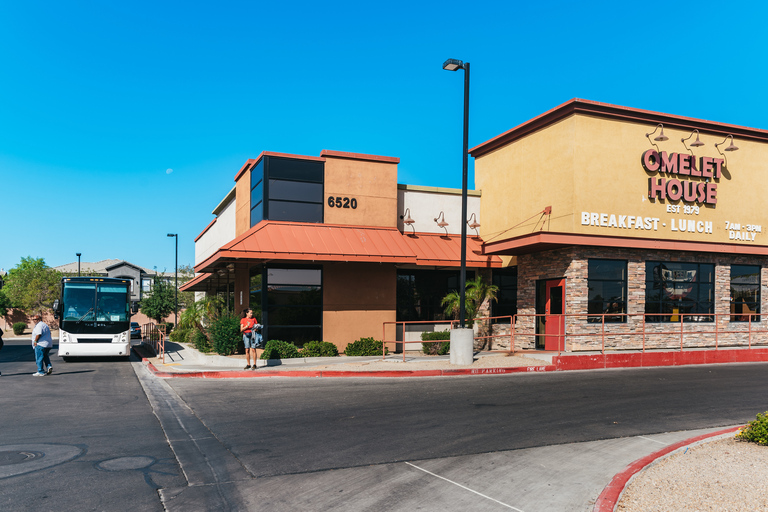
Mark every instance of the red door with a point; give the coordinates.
(554, 331)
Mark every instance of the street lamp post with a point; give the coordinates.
(78, 264)
(454, 65)
(176, 309)
(462, 339)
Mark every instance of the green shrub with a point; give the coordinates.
(199, 340)
(18, 328)
(225, 334)
(319, 349)
(277, 349)
(364, 347)
(179, 335)
(756, 431)
(168, 327)
(436, 349)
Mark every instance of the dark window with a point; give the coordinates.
(607, 283)
(293, 211)
(679, 291)
(420, 293)
(745, 293)
(257, 193)
(295, 191)
(294, 300)
(506, 303)
(295, 169)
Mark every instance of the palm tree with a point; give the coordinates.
(478, 294)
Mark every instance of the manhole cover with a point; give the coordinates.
(123, 463)
(18, 459)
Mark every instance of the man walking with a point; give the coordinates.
(42, 342)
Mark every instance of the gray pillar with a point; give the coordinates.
(462, 346)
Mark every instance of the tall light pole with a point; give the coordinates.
(454, 65)
(78, 264)
(176, 309)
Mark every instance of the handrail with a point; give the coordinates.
(630, 326)
(156, 338)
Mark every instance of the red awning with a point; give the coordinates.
(196, 284)
(299, 241)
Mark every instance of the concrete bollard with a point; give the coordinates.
(462, 346)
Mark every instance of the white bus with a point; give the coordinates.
(94, 317)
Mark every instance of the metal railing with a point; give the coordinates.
(404, 341)
(645, 328)
(154, 336)
(625, 325)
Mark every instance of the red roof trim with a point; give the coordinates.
(245, 167)
(194, 281)
(609, 111)
(537, 242)
(206, 229)
(359, 156)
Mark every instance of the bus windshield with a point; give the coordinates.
(95, 307)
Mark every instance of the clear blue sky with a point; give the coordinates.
(121, 122)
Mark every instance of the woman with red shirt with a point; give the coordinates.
(248, 328)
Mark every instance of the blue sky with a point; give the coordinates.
(122, 122)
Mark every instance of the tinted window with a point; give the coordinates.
(296, 191)
(607, 283)
(300, 212)
(295, 169)
(745, 293)
(679, 291)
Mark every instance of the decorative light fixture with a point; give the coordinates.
(407, 220)
(732, 147)
(659, 138)
(473, 224)
(440, 219)
(695, 144)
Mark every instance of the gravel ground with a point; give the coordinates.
(724, 475)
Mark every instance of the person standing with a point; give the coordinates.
(42, 342)
(248, 328)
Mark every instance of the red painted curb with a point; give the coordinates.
(340, 373)
(608, 499)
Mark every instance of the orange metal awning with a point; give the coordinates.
(299, 241)
(196, 284)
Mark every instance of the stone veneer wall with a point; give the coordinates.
(572, 263)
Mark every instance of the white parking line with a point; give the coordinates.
(649, 439)
(463, 487)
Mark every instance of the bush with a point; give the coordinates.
(225, 334)
(179, 335)
(436, 349)
(756, 431)
(168, 327)
(199, 340)
(319, 349)
(277, 349)
(364, 347)
(18, 328)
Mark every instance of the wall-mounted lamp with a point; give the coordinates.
(440, 219)
(659, 138)
(695, 144)
(407, 220)
(732, 147)
(473, 224)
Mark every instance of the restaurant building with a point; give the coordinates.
(600, 224)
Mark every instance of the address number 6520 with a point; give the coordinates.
(342, 202)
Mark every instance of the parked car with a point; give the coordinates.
(135, 330)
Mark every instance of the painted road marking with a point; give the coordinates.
(463, 487)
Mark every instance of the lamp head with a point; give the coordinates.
(172, 234)
(453, 64)
(78, 254)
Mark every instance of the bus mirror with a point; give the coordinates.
(135, 308)
(56, 309)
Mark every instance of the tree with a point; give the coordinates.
(477, 293)
(161, 300)
(32, 285)
(5, 303)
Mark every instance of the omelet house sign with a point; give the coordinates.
(682, 165)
